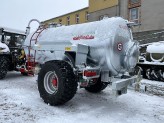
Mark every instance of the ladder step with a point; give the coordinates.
(33, 39)
(38, 31)
(31, 58)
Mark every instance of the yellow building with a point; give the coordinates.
(76, 17)
(85, 14)
(96, 5)
(138, 11)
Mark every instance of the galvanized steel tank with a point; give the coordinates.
(110, 41)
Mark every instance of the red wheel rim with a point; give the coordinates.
(54, 82)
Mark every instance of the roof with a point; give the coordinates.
(15, 31)
(66, 14)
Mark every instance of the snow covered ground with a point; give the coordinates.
(20, 103)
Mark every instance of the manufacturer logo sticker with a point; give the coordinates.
(119, 46)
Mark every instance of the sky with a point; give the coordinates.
(17, 13)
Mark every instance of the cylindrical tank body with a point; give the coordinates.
(110, 42)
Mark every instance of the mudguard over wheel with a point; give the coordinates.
(57, 82)
(97, 87)
(3, 66)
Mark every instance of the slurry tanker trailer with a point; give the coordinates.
(91, 55)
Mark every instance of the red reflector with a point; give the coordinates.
(22, 70)
(89, 73)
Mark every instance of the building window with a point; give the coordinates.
(134, 10)
(134, 3)
(86, 15)
(103, 16)
(134, 15)
(68, 20)
(60, 21)
(77, 18)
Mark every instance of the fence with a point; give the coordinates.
(149, 36)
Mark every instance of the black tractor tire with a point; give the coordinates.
(143, 73)
(97, 87)
(148, 74)
(134, 71)
(161, 73)
(67, 84)
(4, 64)
(155, 75)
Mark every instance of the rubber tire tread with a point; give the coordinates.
(3, 67)
(67, 83)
